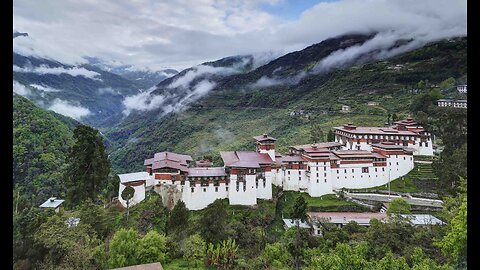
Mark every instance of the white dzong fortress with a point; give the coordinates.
(360, 157)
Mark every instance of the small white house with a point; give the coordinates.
(462, 88)
(372, 103)
(346, 108)
(138, 181)
(52, 203)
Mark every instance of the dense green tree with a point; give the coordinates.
(71, 247)
(127, 194)
(95, 216)
(450, 168)
(331, 136)
(88, 166)
(447, 83)
(123, 248)
(316, 134)
(152, 248)
(276, 256)
(194, 249)
(394, 117)
(300, 209)
(213, 222)
(178, 217)
(399, 206)
(454, 243)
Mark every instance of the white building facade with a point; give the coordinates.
(407, 133)
(247, 176)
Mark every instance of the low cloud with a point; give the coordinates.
(66, 108)
(199, 90)
(185, 80)
(45, 69)
(107, 90)
(21, 89)
(45, 88)
(266, 81)
(379, 47)
(143, 101)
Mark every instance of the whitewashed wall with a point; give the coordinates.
(138, 196)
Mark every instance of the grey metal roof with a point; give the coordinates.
(132, 177)
(423, 219)
(52, 203)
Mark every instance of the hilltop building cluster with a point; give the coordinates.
(360, 157)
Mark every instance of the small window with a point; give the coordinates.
(216, 189)
(317, 180)
(345, 170)
(426, 144)
(325, 180)
(325, 174)
(324, 168)
(383, 169)
(397, 163)
(352, 171)
(204, 190)
(365, 170)
(226, 189)
(299, 178)
(375, 169)
(288, 172)
(193, 189)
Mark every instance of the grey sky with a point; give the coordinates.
(181, 33)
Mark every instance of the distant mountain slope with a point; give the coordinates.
(84, 92)
(41, 140)
(238, 106)
(144, 77)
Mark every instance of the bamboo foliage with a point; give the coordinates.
(222, 255)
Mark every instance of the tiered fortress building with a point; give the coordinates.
(354, 160)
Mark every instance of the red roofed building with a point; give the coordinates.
(405, 132)
(246, 176)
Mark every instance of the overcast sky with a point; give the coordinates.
(182, 33)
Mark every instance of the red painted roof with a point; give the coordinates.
(169, 164)
(324, 145)
(174, 157)
(264, 137)
(292, 158)
(245, 159)
(377, 131)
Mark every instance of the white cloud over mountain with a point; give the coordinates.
(180, 34)
(44, 69)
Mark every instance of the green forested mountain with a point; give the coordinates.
(41, 140)
(85, 86)
(234, 110)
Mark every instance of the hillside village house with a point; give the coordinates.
(345, 109)
(462, 88)
(317, 220)
(456, 103)
(246, 176)
(52, 203)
